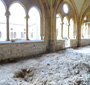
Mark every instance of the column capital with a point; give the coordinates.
(27, 16)
(68, 24)
(62, 22)
(7, 13)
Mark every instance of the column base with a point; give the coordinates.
(27, 39)
(7, 39)
(42, 37)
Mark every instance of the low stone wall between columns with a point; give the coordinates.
(17, 50)
(73, 43)
(84, 42)
(60, 44)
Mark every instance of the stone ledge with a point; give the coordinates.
(21, 42)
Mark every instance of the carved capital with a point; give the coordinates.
(7, 13)
(27, 16)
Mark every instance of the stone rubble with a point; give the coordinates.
(67, 67)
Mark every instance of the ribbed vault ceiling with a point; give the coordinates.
(79, 4)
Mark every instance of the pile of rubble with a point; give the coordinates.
(67, 67)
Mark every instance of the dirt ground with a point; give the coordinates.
(67, 67)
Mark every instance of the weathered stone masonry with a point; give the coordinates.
(17, 50)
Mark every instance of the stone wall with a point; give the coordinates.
(13, 50)
(17, 50)
(73, 43)
(84, 42)
(60, 44)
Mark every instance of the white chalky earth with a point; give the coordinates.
(67, 67)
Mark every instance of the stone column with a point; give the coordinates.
(27, 17)
(89, 30)
(62, 29)
(74, 30)
(7, 14)
(42, 27)
(68, 30)
(52, 28)
(79, 33)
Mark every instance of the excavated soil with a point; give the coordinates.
(67, 67)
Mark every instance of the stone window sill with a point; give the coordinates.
(60, 39)
(85, 38)
(21, 41)
(65, 39)
(73, 39)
